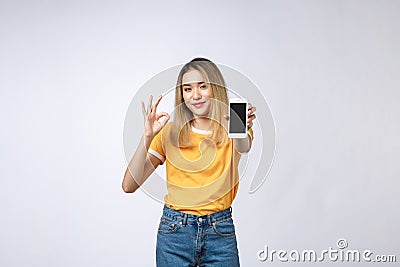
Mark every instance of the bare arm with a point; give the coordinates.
(243, 145)
(140, 167)
(142, 163)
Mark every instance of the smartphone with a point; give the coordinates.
(237, 125)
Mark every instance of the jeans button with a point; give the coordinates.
(200, 219)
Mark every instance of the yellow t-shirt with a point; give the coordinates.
(201, 179)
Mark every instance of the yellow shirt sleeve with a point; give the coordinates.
(156, 147)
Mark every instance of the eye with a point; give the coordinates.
(203, 86)
(187, 89)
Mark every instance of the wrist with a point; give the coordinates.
(147, 140)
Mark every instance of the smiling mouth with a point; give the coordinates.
(198, 105)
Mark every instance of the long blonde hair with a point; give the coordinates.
(183, 117)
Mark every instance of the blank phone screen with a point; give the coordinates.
(237, 118)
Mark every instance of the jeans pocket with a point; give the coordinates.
(167, 226)
(224, 227)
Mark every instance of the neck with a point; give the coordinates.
(202, 123)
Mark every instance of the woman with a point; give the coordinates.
(196, 228)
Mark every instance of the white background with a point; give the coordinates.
(69, 69)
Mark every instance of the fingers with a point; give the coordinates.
(160, 115)
(149, 105)
(144, 110)
(251, 109)
(154, 110)
(158, 101)
(150, 108)
(251, 116)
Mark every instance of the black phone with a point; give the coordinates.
(237, 126)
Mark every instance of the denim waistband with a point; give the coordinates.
(183, 217)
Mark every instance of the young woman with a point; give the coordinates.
(196, 228)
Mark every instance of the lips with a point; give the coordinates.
(198, 104)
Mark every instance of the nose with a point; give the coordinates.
(196, 94)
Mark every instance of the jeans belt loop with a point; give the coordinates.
(209, 219)
(185, 218)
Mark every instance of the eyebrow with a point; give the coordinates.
(188, 84)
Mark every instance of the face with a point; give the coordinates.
(196, 93)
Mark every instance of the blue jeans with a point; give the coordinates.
(186, 240)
